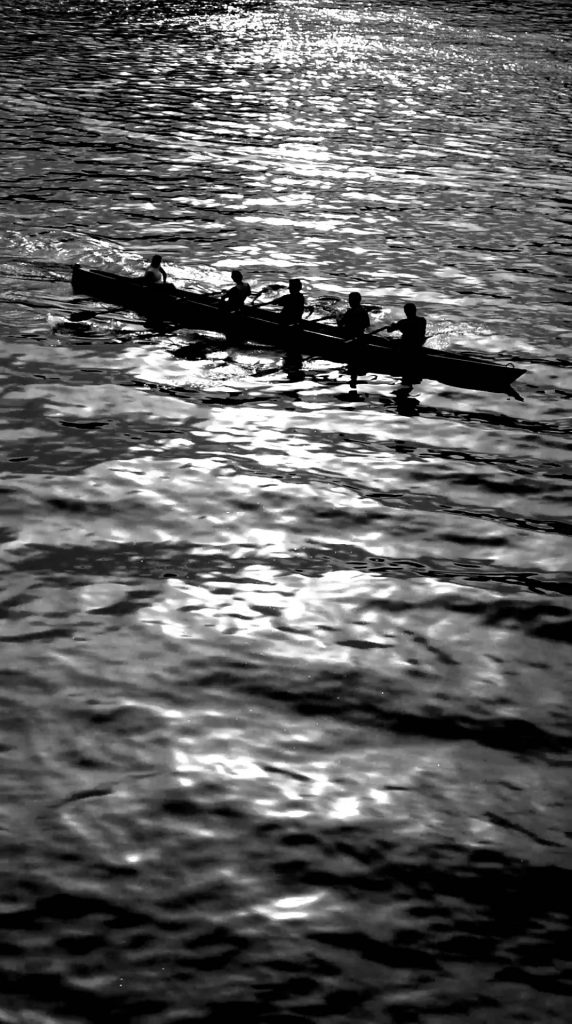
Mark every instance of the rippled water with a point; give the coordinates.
(285, 723)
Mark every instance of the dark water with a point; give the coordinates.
(285, 728)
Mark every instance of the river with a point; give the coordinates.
(286, 722)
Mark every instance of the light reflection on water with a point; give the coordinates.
(285, 704)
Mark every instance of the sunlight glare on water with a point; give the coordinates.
(285, 712)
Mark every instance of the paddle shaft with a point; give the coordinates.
(378, 330)
(267, 288)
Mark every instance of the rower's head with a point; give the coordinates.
(156, 261)
(354, 299)
(237, 276)
(294, 285)
(410, 310)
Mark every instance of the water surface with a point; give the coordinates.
(286, 720)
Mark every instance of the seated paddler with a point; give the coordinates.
(352, 325)
(154, 273)
(233, 300)
(412, 327)
(354, 321)
(293, 305)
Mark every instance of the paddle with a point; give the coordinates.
(272, 287)
(379, 329)
(267, 288)
(320, 319)
(397, 342)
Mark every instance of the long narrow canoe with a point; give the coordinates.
(201, 312)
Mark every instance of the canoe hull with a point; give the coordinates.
(201, 312)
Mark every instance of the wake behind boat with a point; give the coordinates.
(199, 311)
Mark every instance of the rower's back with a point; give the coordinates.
(413, 328)
(236, 296)
(293, 304)
(154, 273)
(354, 321)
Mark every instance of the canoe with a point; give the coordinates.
(261, 325)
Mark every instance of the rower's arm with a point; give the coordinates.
(386, 327)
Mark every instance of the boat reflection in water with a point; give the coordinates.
(409, 366)
(402, 400)
(405, 404)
